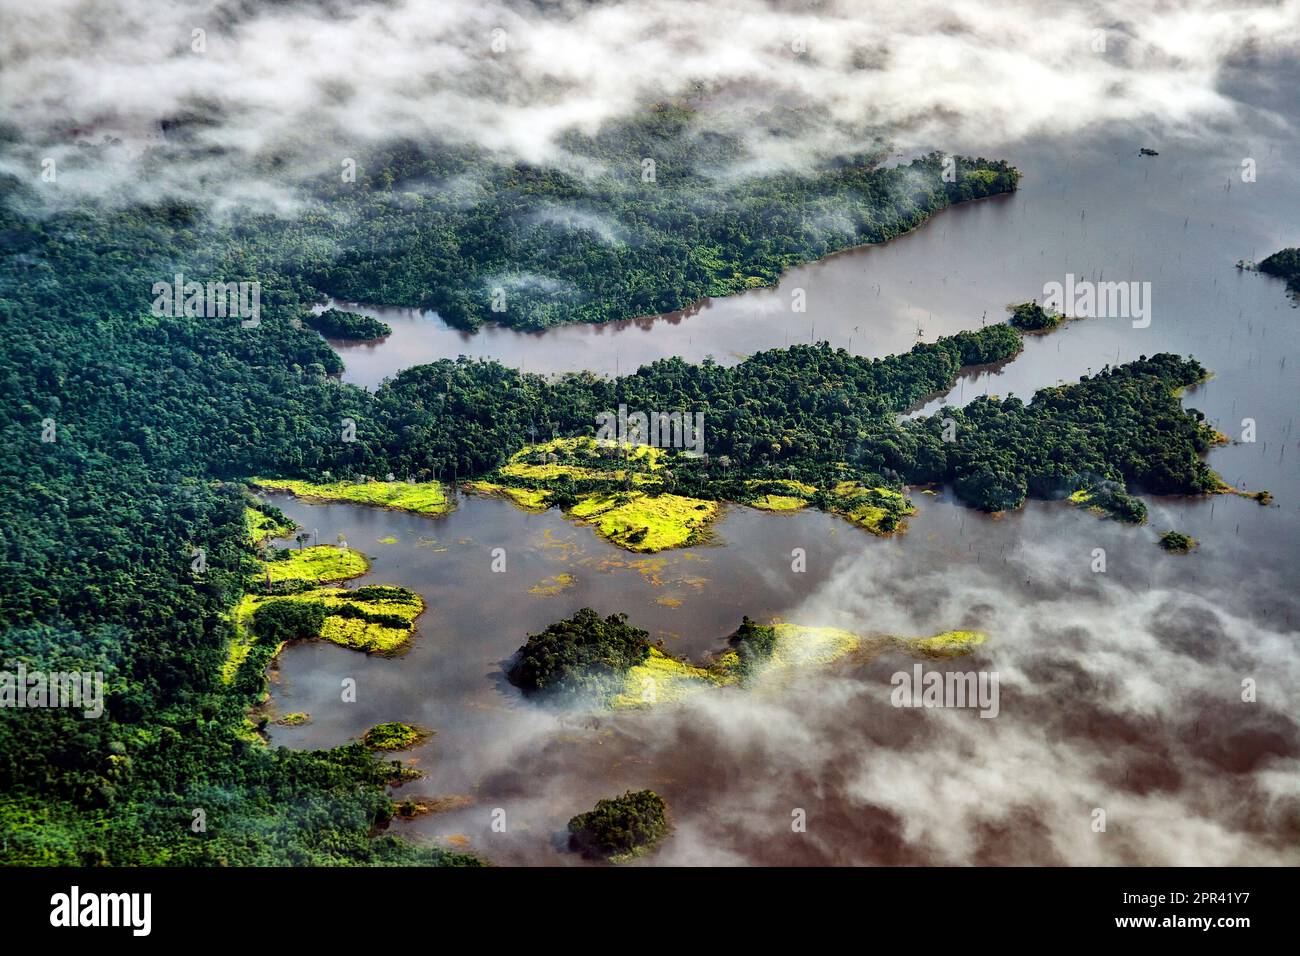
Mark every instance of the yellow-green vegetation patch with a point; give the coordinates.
(376, 619)
(663, 678)
(1110, 500)
(248, 731)
(800, 645)
(530, 499)
(368, 626)
(422, 497)
(607, 477)
(615, 661)
(318, 564)
(548, 471)
(789, 484)
(577, 459)
(948, 644)
(578, 446)
(651, 456)
(394, 735)
(644, 523)
(660, 679)
(866, 516)
(261, 526)
(549, 587)
(560, 447)
(882, 511)
(1223, 488)
(241, 644)
(777, 503)
(236, 654)
(296, 719)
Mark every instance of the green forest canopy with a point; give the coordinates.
(154, 419)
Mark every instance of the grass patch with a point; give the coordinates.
(620, 490)
(421, 497)
(777, 503)
(549, 587)
(1223, 488)
(259, 526)
(319, 564)
(646, 523)
(798, 645)
(799, 487)
(394, 735)
(1110, 501)
(378, 619)
(882, 511)
(530, 499)
(548, 472)
(948, 644)
(660, 679)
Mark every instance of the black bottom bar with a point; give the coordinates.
(393, 906)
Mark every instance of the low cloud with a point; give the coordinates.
(252, 94)
(1119, 693)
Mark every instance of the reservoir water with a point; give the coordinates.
(1123, 690)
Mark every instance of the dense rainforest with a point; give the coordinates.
(127, 435)
(642, 218)
(811, 413)
(100, 526)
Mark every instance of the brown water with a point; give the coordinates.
(495, 750)
(1121, 690)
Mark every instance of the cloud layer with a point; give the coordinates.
(1120, 692)
(311, 84)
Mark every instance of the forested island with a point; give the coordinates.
(620, 828)
(587, 660)
(1032, 317)
(1284, 265)
(810, 414)
(790, 428)
(338, 324)
(1175, 542)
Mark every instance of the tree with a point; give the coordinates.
(288, 620)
